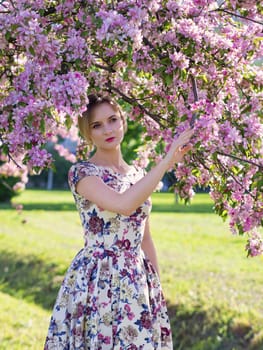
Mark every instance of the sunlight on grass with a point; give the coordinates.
(213, 291)
(22, 324)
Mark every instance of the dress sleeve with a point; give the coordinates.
(78, 171)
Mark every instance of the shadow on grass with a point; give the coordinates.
(43, 206)
(160, 208)
(182, 208)
(214, 329)
(30, 278)
(38, 281)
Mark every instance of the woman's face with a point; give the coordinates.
(106, 127)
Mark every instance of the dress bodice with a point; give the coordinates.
(103, 228)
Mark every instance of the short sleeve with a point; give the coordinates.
(78, 171)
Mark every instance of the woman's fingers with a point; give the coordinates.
(185, 148)
(186, 134)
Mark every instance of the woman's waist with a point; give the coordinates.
(121, 247)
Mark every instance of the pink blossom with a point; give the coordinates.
(254, 245)
(144, 52)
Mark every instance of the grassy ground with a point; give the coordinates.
(214, 293)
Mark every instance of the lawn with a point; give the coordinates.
(213, 291)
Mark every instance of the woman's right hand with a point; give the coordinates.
(177, 151)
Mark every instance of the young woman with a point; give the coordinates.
(111, 296)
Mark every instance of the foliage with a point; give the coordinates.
(173, 62)
(11, 182)
(6, 188)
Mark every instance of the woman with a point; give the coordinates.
(111, 296)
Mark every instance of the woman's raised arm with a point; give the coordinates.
(95, 190)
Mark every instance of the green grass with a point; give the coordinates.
(214, 293)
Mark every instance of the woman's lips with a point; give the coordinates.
(110, 139)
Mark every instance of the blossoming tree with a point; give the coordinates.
(173, 62)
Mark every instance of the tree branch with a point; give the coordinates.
(107, 68)
(236, 15)
(194, 87)
(223, 168)
(132, 101)
(241, 159)
(8, 153)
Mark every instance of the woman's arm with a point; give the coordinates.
(149, 248)
(95, 190)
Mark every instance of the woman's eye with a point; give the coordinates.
(112, 120)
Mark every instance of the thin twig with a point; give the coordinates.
(131, 101)
(241, 159)
(8, 154)
(194, 86)
(236, 15)
(107, 68)
(240, 88)
(235, 179)
(4, 183)
(13, 4)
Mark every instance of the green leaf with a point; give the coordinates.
(184, 118)
(42, 126)
(168, 79)
(26, 159)
(53, 167)
(240, 229)
(260, 185)
(224, 214)
(7, 36)
(4, 149)
(37, 169)
(247, 109)
(27, 145)
(165, 61)
(30, 118)
(196, 172)
(183, 74)
(84, 34)
(68, 121)
(235, 170)
(77, 63)
(31, 50)
(203, 77)
(129, 51)
(14, 26)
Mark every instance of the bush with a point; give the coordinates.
(6, 187)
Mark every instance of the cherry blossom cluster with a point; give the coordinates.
(174, 62)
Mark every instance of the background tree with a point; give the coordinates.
(174, 62)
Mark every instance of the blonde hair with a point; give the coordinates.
(84, 119)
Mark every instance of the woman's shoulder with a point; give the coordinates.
(82, 166)
(79, 170)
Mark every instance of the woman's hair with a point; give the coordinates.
(94, 101)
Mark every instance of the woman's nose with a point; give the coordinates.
(107, 128)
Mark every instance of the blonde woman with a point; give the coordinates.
(111, 296)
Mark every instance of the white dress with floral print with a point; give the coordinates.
(111, 296)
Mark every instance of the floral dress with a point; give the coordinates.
(111, 296)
